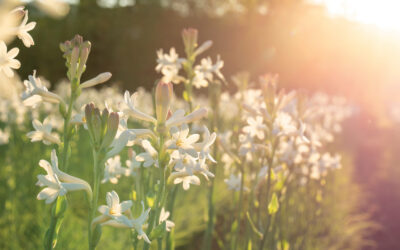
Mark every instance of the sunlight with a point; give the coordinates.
(381, 13)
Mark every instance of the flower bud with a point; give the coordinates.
(82, 61)
(164, 93)
(97, 126)
(112, 128)
(189, 37)
(73, 63)
(101, 78)
(205, 46)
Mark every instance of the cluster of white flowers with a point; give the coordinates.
(270, 132)
(287, 127)
(200, 75)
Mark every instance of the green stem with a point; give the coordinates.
(267, 224)
(51, 234)
(98, 163)
(155, 214)
(235, 239)
(210, 225)
(170, 208)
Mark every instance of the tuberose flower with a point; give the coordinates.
(43, 132)
(7, 61)
(58, 183)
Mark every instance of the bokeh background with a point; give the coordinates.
(310, 44)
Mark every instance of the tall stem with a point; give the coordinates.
(55, 221)
(268, 219)
(155, 214)
(170, 208)
(97, 166)
(235, 239)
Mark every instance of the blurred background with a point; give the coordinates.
(343, 47)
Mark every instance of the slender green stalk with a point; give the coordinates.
(160, 198)
(170, 207)
(235, 238)
(55, 221)
(98, 163)
(268, 219)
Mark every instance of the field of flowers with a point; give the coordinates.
(84, 166)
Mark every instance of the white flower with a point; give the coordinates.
(204, 146)
(132, 111)
(137, 224)
(113, 170)
(7, 61)
(255, 127)
(169, 65)
(179, 117)
(183, 161)
(171, 75)
(114, 209)
(181, 140)
(187, 180)
(22, 31)
(283, 125)
(199, 80)
(176, 119)
(36, 92)
(150, 157)
(164, 217)
(234, 182)
(58, 183)
(43, 133)
(206, 70)
(119, 143)
(187, 167)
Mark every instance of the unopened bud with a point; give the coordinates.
(112, 128)
(205, 46)
(101, 78)
(189, 37)
(164, 93)
(82, 61)
(73, 63)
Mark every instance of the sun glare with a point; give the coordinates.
(381, 13)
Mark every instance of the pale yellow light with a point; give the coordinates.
(382, 13)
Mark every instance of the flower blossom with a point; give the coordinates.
(255, 127)
(36, 92)
(182, 140)
(43, 133)
(7, 61)
(164, 217)
(206, 70)
(113, 170)
(58, 183)
(150, 157)
(176, 119)
(169, 65)
(22, 31)
(113, 215)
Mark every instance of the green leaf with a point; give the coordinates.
(159, 231)
(273, 205)
(96, 235)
